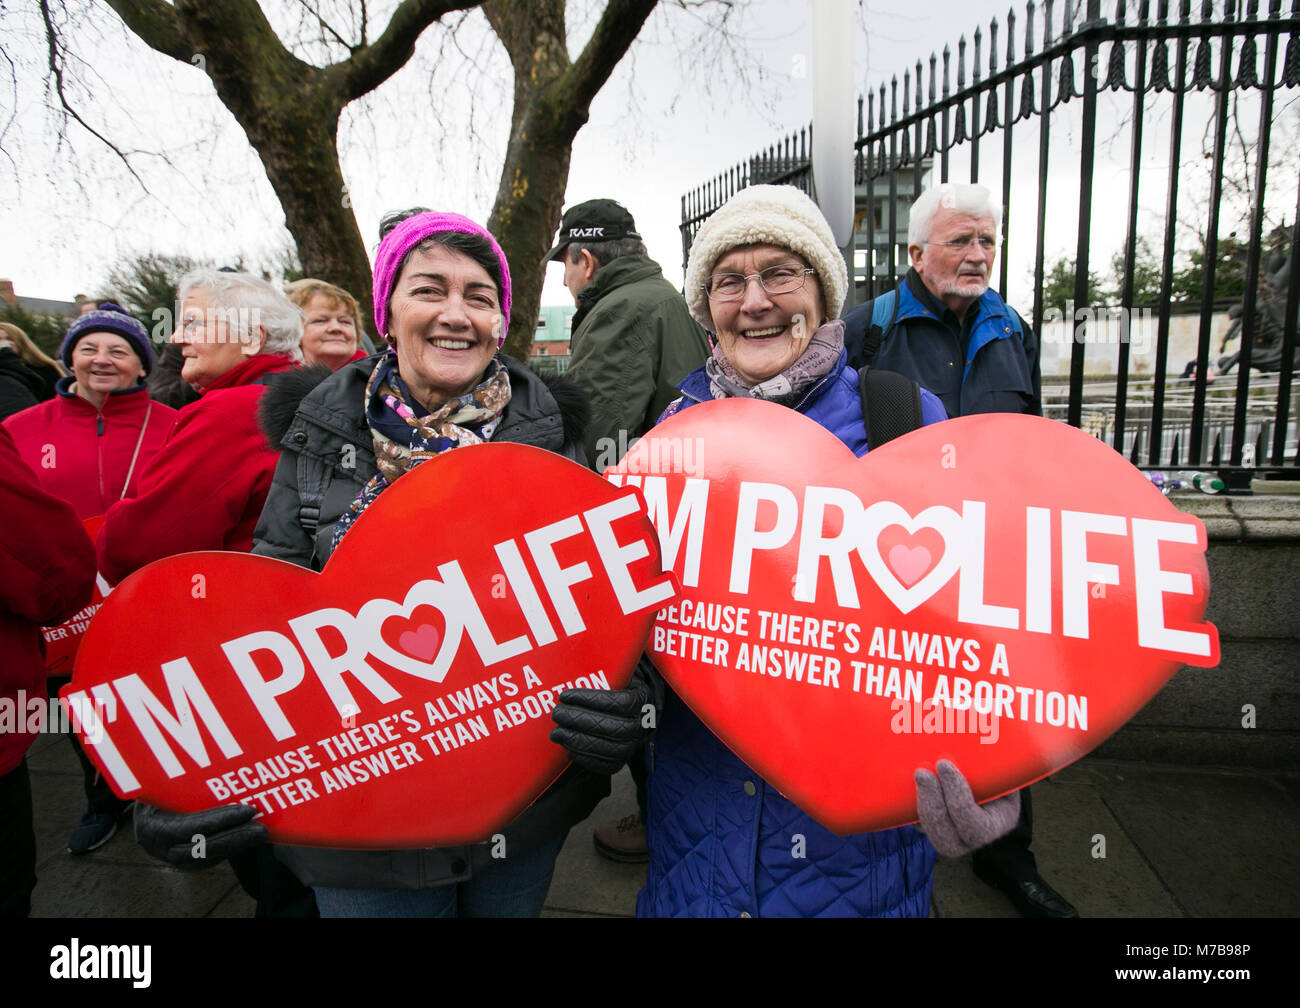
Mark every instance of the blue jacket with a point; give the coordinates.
(998, 372)
(723, 842)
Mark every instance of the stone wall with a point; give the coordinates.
(1254, 558)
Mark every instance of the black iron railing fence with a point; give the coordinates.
(1234, 67)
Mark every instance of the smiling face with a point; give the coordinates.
(104, 362)
(329, 334)
(956, 276)
(444, 319)
(762, 334)
(210, 347)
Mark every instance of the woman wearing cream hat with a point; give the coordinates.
(766, 278)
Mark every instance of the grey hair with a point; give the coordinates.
(967, 198)
(607, 251)
(249, 301)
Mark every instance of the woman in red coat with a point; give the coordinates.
(88, 446)
(205, 489)
(330, 315)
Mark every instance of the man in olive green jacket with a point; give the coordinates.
(633, 337)
(633, 340)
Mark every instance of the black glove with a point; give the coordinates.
(226, 830)
(601, 729)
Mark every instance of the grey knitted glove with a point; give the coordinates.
(950, 818)
(226, 830)
(601, 729)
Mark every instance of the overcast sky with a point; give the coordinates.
(674, 114)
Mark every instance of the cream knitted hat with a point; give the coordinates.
(766, 215)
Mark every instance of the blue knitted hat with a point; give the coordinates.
(110, 318)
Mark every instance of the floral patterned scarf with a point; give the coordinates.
(404, 440)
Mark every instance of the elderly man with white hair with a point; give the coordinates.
(942, 326)
(946, 330)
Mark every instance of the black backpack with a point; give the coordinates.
(891, 405)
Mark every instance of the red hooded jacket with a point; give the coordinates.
(84, 454)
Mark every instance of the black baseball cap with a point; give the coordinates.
(596, 220)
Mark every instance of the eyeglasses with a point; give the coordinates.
(985, 243)
(781, 279)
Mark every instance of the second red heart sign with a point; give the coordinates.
(1002, 591)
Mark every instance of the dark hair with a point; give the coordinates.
(391, 219)
(474, 246)
(607, 251)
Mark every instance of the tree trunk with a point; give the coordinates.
(552, 100)
(290, 112)
(302, 164)
(530, 196)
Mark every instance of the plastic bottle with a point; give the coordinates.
(1205, 482)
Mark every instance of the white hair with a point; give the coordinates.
(971, 199)
(250, 302)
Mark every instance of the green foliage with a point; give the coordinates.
(1185, 284)
(285, 267)
(1146, 276)
(1058, 286)
(1229, 274)
(146, 287)
(46, 331)
(1230, 267)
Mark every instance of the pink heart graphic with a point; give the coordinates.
(422, 642)
(908, 564)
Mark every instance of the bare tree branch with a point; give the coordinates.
(290, 109)
(155, 23)
(618, 27)
(326, 26)
(373, 64)
(13, 80)
(56, 69)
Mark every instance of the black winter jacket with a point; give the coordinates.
(20, 386)
(317, 419)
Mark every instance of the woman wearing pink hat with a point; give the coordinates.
(441, 301)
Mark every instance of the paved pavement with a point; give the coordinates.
(1177, 842)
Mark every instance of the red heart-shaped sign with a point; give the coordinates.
(399, 698)
(1002, 591)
